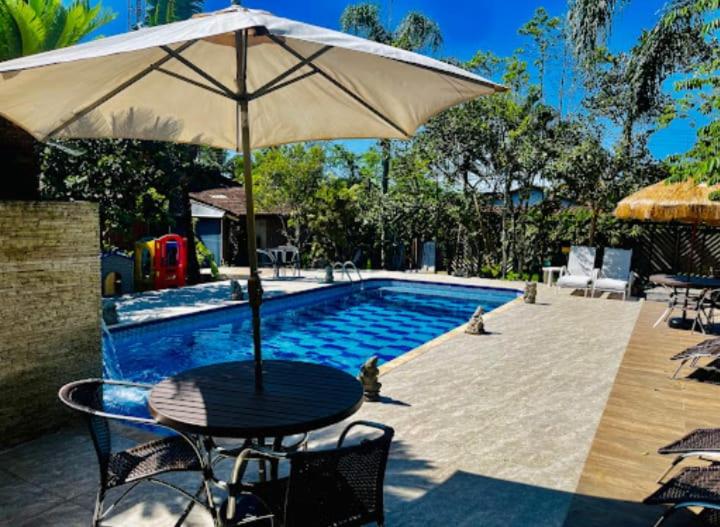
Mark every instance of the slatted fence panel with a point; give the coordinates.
(677, 249)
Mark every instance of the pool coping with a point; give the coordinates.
(441, 339)
(276, 298)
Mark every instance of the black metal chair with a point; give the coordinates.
(326, 488)
(141, 463)
(705, 308)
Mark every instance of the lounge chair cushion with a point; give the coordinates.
(611, 284)
(578, 282)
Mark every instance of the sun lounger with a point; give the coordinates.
(615, 275)
(703, 443)
(709, 348)
(692, 487)
(580, 270)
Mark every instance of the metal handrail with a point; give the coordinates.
(339, 266)
(354, 267)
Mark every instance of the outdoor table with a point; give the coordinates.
(676, 281)
(685, 283)
(220, 400)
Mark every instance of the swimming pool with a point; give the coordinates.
(339, 326)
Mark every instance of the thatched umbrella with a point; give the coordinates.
(685, 202)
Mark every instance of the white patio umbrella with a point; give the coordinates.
(238, 79)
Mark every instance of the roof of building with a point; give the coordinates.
(228, 199)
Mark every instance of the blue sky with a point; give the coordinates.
(467, 26)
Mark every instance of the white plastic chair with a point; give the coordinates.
(580, 271)
(615, 275)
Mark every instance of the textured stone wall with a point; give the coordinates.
(49, 311)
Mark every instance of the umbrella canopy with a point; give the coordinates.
(685, 202)
(178, 82)
(213, 79)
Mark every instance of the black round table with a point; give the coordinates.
(221, 401)
(681, 286)
(677, 281)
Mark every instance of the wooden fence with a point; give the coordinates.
(677, 248)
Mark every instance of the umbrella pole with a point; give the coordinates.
(255, 291)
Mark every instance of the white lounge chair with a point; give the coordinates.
(580, 270)
(615, 275)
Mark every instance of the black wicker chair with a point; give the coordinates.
(691, 487)
(137, 464)
(327, 488)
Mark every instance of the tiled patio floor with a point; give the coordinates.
(491, 430)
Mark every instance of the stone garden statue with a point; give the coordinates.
(236, 292)
(530, 292)
(109, 313)
(368, 376)
(476, 326)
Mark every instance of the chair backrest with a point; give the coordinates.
(288, 253)
(266, 257)
(616, 263)
(343, 486)
(581, 261)
(86, 397)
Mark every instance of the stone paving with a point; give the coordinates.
(490, 430)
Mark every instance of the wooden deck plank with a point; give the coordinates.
(646, 409)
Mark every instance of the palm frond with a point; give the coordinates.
(589, 22)
(28, 25)
(417, 32)
(675, 44)
(364, 20)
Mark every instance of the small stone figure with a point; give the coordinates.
(236, 292)
(476, 326)
(109, 313)
(530, 292)
(368, 376)
(329, 278)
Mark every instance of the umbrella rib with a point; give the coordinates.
(112, 93)
(205, 75)
(339, 85)
(268, 86)
(276, 87)
(195, 83)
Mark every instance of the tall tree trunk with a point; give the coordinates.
(20, 163)
(504, 241)
(384, 186)
(185, 225)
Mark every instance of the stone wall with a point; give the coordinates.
(49, 311)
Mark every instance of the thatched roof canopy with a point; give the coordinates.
(685, 202)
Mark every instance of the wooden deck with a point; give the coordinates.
(646, 409)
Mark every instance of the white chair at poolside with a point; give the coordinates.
(268, 259)
(615, 275)
(580, 271)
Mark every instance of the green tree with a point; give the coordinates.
(28, 27)
(683, 42)
(288, 178)
(545, 32)
(415, 32)
(165, 11)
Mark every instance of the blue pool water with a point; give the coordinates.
(340, 326)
